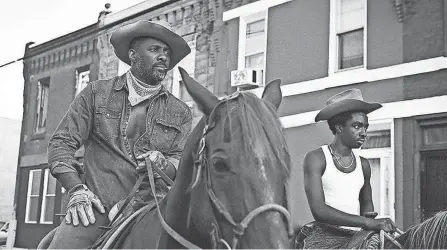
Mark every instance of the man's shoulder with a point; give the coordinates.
(316, 153)
(178, 106)
(104, 85)
(315, 159)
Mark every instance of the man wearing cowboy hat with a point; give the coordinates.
(120, 121)
(337, 180)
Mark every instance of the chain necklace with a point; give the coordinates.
(337, 157)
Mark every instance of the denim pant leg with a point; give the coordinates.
(79, 237)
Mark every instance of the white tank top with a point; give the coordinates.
(342, 190)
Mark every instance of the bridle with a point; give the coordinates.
(238, 228)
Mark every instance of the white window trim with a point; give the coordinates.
(351, 77)
(78, 90)
(28, 195)
(44, 197)
(251, 8)
(390, 110)
(333, 41)
(243, 21)
(40, 86)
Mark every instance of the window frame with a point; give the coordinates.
(44, 197)
(37, 128)
(29, 195)
(77, 74)
(334, 44)
(243, 22)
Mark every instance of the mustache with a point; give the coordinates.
(160, 64)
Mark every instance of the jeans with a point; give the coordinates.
(79, 237)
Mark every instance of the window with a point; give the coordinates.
(32, 199)
(252, 41)
(377, 149)
(347, 38)
(188, 63)
(43, 87)
(48, 198)
(82, 78)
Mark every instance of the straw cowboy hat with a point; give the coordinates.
(349, 100)
(160, 30)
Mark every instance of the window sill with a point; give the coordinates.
(350, 69)
(38, 136)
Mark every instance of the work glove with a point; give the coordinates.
(80, 206)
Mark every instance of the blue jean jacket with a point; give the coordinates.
(97, 118)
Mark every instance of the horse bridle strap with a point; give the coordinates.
(239, 228)
(180, 239)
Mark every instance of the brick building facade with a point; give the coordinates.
(394, 51)
(55, 71)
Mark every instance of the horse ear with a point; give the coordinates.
(205, 100)
(272, 93)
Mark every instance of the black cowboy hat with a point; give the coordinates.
(160, 30)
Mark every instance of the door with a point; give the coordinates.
(433, 182)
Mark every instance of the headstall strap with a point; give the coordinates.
(238, 228)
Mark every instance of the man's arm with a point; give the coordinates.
(314, 166)
(69, 136)
(365, 198)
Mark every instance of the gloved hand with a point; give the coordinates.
(160, 161)
(156, 157)
(80, 206)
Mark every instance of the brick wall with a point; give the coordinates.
(423, 38)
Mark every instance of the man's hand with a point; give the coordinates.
(384, 224)
(156, 157)
(80, 207)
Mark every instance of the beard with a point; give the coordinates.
(147, 73)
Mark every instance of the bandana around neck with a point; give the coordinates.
(139, 91)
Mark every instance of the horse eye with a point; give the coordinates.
(220, 166)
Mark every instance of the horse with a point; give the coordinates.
(429, 234)
(230, 189)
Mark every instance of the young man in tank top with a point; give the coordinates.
(337, 180)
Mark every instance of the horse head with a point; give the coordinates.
(237, 191)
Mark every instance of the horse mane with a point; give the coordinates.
(430, 234)
(262, 132)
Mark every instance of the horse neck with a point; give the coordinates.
(177, 206)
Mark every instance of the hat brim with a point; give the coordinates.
(345, 106)
(121, 40)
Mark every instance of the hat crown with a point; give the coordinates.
(350, 94)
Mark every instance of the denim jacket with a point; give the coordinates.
(97, 118)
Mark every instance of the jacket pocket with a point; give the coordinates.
(107, 122)
(163, 134)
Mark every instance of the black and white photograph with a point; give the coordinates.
(223, 124)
